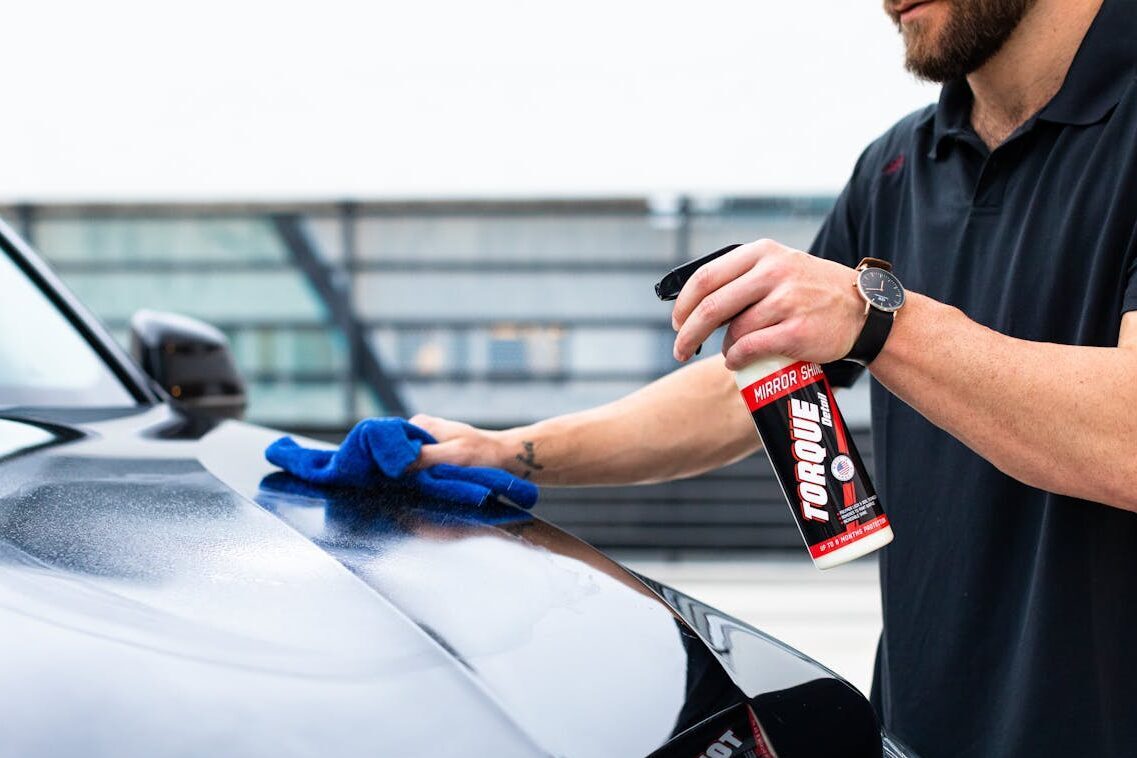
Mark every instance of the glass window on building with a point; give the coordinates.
(514, 349)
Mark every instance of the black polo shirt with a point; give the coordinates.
(1010, 613)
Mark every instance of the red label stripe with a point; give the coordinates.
(849, 536)
(761, 747)
(848, 489)
(781, 383)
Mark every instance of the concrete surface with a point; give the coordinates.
(832, 616)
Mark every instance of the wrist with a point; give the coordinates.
(911, 330)
(517, 450)
(882, 296)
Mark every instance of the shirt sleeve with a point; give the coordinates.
(1129, 300)
(837, 240)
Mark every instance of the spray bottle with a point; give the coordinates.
(810, 449)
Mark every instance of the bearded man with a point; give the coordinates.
(1005, 393)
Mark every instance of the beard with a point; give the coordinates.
(974, 31)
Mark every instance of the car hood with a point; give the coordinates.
(164, 592)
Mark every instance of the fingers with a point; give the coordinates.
(770, 265)
(714, 275)
(778, 301)
(458, 443)
(428, 423)
(455, 452)
(439, 428)
(761, 315)
(779, 339)
(723, 304)
(439, 452)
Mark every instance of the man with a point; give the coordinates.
(1005, 400)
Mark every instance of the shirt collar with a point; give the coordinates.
(952, 116)
(1105, 64)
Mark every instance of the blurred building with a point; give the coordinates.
(495, 312)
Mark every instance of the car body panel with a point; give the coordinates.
(154, 611)
(156, 572)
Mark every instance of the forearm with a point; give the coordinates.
(1057, 417)
(687, 422)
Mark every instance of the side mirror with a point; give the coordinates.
(190, 360)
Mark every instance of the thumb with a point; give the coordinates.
(452, 451)
(774, 340)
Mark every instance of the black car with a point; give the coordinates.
(164, 592)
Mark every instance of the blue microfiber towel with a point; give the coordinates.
(379, 450)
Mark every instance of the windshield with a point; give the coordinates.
(43, 359)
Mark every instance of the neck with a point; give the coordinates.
(1030, 67)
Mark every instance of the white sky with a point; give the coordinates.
(121, 100)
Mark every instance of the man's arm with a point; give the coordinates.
(683, 424)
(1062, 418)
(1057, 417)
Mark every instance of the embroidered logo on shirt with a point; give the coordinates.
(894, 165)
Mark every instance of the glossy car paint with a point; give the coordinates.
(164, 592)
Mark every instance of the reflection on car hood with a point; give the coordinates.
(163, 592)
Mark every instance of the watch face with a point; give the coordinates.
(881, 288)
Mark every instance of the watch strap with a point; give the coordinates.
(873, 335)
(874, 263)
(842, 373)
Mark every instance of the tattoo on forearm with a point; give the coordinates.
(528, 459)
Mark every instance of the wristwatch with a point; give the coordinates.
(884, 295)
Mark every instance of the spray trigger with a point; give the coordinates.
(669, 287)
